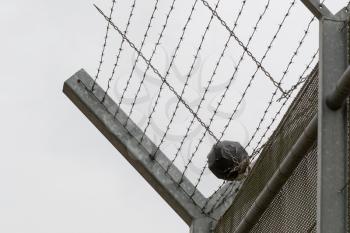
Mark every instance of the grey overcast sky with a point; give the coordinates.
(58, 174)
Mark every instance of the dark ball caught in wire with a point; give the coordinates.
(228, 160)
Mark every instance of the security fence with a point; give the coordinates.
(176, 77)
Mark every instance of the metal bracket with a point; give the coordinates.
(191, 208)
(318, 9)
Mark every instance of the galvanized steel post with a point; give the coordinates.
(186, 200)
(332, 155)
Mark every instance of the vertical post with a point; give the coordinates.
(331, 194)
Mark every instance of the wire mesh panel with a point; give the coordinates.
(294, 207)
(292, 125)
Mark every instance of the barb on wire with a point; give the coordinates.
(119, 51)
(171, 88)
(189, 74)
(206, 89)
(258, 64)
(103, 46)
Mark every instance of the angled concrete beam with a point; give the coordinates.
(78, 89)
(317, 9)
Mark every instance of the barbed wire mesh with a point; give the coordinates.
(193, 73)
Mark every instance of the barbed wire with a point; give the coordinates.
(247, 87)
(168, 71)
(275, 92)
(156, 71)
(103, 46)
(302, 78)
(119, 52)
(258, 64)
(206, 89)
(257, 149)
(137, 58)
(286, 95)
(269, 47)
(261, 16)
(189, 74)
(151, 58)
(291, 60)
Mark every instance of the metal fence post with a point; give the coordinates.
(331, 194)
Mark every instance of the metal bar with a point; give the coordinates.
(341, 91)
(78, 89)
(331, 170)
(318, 9)
(284, 171)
